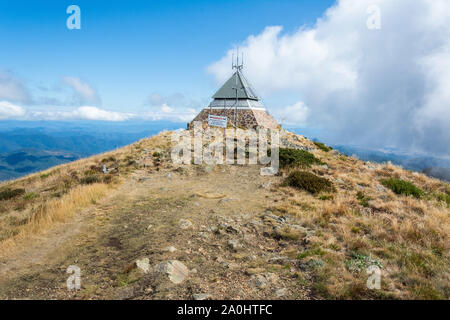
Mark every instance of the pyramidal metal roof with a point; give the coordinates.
(228, 90)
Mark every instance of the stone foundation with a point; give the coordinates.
(247, 118)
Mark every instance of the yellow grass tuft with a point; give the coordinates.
(56, 210)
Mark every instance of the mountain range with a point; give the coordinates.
(30, 146)
(27, 146)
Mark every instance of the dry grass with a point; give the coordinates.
(54, 195)
(366, 222)
(57, 210)
(360, 223)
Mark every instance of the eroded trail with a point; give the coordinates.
(212, 220)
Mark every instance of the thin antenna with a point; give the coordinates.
(239, 65)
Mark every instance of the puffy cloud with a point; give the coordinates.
(173, 107)
(157, 99)
(165, 112)
(9, 110)
(83, 113)
(165, 108)
(12, 89)
(83, 91)
(381, 88)
(296, 114)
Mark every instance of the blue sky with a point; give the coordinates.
(129, 50)
(366, 72)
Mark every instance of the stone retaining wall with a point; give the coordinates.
(247, 118)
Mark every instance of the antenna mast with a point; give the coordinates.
(238, 66)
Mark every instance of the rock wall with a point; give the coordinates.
(247, 118)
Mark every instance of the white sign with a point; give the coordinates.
(217, 121)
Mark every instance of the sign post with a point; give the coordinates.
(217, 121)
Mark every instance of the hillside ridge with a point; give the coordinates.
(152, 229)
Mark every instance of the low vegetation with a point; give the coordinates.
(363, 199)
(402, 187)
(322, 146)
(444, 197)
(325, 225)
(297, 158)
(308, 181)
(9, 193)
(405, 233)
(33, 204)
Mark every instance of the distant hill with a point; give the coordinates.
(439, 173)
(407, 160)
(83, 138)
(25, 161)
(414, 162)
(27, 146)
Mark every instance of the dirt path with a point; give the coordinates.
(228, 249)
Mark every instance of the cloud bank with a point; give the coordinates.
(381, 88)
(83, 92)
(9, 110)
(82, 113)
(12, 89)
(174, 107)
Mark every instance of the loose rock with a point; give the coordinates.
(201, 296)
(143, 265)
(176, 270)
(184, 224)
(281, 292)
(235, 245)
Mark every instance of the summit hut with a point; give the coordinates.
(237, 101)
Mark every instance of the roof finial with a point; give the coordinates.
(238, 66)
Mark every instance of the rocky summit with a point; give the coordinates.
(132, 224)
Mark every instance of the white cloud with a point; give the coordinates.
(173, 107)
(165, 112)
(83, 113)
(83, 91)
(156, 99)
(9, 110)
(12, 89)
(296, 114)
(387, 87)
(165, 108)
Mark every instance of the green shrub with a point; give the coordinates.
(90, 179)
(307, 181)
(110, 159)
(296, 157)
(356, 229)
(29, 196)
(359, 262)
(8, 193)
(326, 197)
(97, 178)
(444, 197)
(322, 146)
(363, 199)
(310, 253)
(399, 186)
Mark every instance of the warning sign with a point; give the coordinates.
(217, 121)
